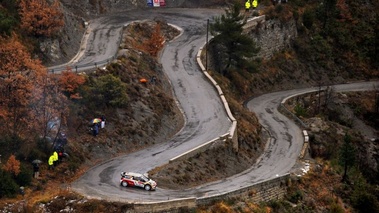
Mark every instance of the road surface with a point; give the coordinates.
(205, 116)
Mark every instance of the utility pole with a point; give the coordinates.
(206, 48)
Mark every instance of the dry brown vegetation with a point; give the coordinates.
(320, 191)
(41, 18)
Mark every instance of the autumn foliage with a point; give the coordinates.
(12, 166)
(19, 77)
(70, 82)
(155, 43)
(39, 18)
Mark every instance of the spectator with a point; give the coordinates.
(102, 122)
(255, 4)
(51, 162)
(247, 6)
(95, 129)
(22, 191)
(35, 170)
(55, 160)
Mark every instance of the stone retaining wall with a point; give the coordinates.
(264, 191)
(273, 189)
(271, 35)
(166, 206)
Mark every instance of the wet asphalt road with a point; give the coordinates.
(205, 117)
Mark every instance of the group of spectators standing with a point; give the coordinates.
(96, 126)
(254, 3)
(58, 152)
(53, 160)
(250, 3)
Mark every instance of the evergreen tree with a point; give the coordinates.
(327, 12)
(8, 187)
(235, 47)
(346, 156)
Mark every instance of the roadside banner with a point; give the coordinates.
(156, 3)
(149, 3)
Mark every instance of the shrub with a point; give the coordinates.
(105, 91)
(365, 202)
(38, 154)
(40, 18)
(308, 19)
(300, 111)
(296, 196)
(24, 178)
(73, 166)
(336, 208)
(6, 23)
(8, 187)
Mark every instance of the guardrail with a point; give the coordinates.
(81, 67)
(232, 133)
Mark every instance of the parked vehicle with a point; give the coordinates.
(138, 180)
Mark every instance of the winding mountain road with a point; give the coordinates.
(205, 116)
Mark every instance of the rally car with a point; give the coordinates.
(136, 179)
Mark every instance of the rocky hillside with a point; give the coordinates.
(148, 117)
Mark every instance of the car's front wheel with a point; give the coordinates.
(124, 183)
(147, 187)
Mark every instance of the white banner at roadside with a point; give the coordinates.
(156, 3)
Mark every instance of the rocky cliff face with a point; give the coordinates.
(273, 36)
(62, 48)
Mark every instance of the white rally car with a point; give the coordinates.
(136, 179)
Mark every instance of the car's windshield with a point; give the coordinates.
(144, 178)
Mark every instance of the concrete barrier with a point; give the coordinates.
(230, 135)
(210, 144)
